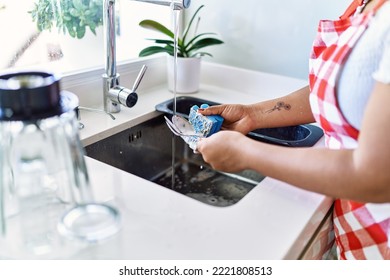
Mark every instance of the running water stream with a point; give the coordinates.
(175, 25)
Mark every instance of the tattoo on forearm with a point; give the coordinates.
(279, 106)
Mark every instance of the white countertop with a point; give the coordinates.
(274, 221)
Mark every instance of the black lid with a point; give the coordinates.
(33, 95)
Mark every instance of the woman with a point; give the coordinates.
(349, 96)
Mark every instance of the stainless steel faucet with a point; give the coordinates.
(113, 93)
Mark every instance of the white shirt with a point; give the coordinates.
(369, 61)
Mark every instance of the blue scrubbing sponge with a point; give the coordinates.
(205, 125)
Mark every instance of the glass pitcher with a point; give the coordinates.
(44, 187)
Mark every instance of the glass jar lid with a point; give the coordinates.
(33, 95)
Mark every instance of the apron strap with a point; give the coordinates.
(351, 9)
(357, 3)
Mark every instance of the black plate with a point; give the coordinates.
(292, 136)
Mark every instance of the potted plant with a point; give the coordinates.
(189, 52)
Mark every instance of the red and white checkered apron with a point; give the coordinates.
(362, 231)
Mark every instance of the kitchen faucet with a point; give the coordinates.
(113, 93)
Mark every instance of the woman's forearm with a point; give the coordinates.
(292, 109)
(334, 173)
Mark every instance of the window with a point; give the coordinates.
(24, 46)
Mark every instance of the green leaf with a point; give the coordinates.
(206, 42)
(93, 29)
(196, 38)
(190, 23)
(71, 32)
(67, 18)
(155, 49)
(73, 12)
(78, 4)
(81, 31)
(154, 25)
(161, 41)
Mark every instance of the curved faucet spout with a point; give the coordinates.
(113, 93)
(178, 4)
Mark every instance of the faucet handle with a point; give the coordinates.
(139, 78)
(130, 97)
(124, 95)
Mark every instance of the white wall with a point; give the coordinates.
(266, 35)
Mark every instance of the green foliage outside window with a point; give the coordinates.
(69, 16)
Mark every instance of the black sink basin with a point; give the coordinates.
(292, 136)
(149, 150)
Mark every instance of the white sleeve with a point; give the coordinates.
(383, 73)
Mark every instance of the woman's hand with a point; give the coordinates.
(224, 151)
(293, 109)
(237, 117)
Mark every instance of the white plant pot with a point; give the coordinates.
(188, 74)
